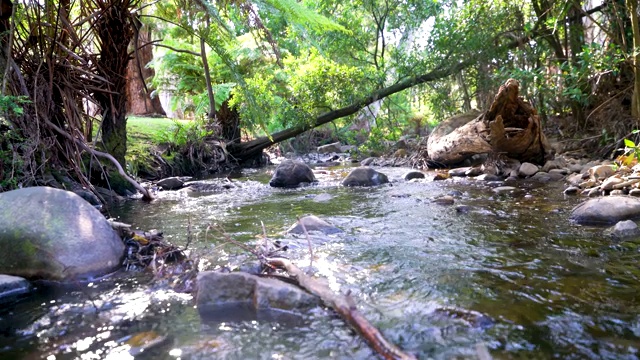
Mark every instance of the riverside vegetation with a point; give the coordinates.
(378, 84)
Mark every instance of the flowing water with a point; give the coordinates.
(507, 273)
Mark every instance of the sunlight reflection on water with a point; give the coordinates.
(508, 271)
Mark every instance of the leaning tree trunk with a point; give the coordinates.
(511, 128)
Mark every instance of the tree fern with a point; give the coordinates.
(297, 13)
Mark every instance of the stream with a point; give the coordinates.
(506, 272)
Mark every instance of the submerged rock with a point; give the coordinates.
(54, 234)
(171, 183)
(313, 223)
(504, 189)
(606, 210)
(291, 173)
(210, 186)
(219, 289)
(444, 200)
(365, 176)
(624, 230)
(12, 285)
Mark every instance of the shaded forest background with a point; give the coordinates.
(254, 73)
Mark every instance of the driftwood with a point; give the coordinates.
(511, 128)
(344, 306)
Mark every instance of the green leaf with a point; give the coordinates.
(629, 143)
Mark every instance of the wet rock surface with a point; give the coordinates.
(365, 176)
(60, 236)
(11, 286)
(291, 173)
(219, 289)
(623, 230)
(313, 223)
(606, 210)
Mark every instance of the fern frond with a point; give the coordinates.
(297, 13)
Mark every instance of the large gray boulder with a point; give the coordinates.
(220, 289)
(365, 176)
(291, 173)
(54, 234)
(606, 210)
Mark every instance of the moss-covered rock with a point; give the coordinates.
(54, 234)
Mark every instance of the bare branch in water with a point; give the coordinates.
(345, 307)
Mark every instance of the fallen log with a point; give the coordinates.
(344, 306)
(511, 128)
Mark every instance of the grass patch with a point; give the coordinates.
(143, 134)
(152, 130)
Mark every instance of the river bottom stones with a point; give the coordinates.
(53, 234)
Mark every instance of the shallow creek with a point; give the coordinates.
(509, 273)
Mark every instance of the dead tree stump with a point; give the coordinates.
(510, 128)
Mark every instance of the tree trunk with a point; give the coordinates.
(576, 44)
(511, 127)
(139, 100)
(115, 32)
(633, 13)
(211, 115)
(466, 98)
(229, 121)
(253, 148)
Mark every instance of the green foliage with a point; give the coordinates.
(12, 146)
(183, 134)
(537, 82)
(305, 88)
(631, 154)
(12, 105)
(296, 13)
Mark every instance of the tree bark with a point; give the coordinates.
(633, 13)
(229, 121)
(139, 100)
(576, 44)
(115, 31)
(511, 127)
(211, 115)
